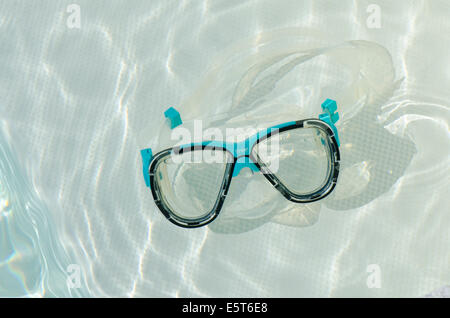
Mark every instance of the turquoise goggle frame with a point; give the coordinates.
(241, 153)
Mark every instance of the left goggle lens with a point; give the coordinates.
(190, 182)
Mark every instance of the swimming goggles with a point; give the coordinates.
(189, 183)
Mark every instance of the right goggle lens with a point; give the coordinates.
(298, 157)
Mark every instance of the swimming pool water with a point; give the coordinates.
(77, 220)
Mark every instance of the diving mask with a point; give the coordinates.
(190, 182)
